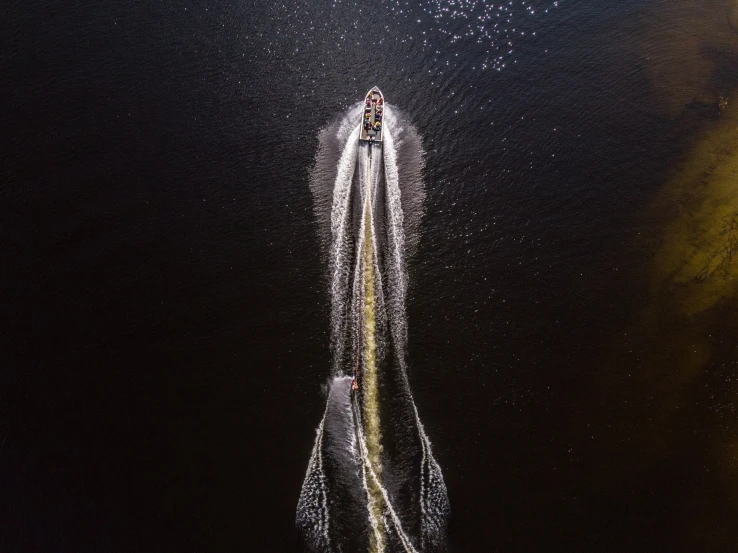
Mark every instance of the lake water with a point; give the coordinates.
(571, 302)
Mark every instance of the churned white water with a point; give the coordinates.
(360, 204)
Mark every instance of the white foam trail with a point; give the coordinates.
(312, 507)
(358, 283)
(369, 176)
(358, 308)
(370, 407)
(398, 279)
(368, 469)
(339, 230)
(369, 170)
(434, 508)
(433, 494)
(373, 176)
(347, 299)
(381, 312)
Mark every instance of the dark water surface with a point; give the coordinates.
(166, 326)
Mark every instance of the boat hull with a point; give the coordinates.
(372, 117)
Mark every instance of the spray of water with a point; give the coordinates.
(346, 503)
(312, 507)
(340, 223)
(433, 495)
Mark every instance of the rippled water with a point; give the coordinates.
(571, 306)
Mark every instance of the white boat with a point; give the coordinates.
(372, 118)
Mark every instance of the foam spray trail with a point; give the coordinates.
(340, 223)
(312, 507)
(371, 475)
(370, 387)
(330, 497)
(345, 504)
(368, 183)
(369, 429)
(397, 241)
(434, 505)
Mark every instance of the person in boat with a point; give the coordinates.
(380, 101)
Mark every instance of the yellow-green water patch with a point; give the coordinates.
(370, 389)
(697, 264)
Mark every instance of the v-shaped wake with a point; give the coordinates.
(372, 482)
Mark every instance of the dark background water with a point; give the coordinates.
(166, 313)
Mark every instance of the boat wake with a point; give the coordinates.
(372, 482)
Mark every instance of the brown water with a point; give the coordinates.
(670, 380)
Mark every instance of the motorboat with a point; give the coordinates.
(372, 116)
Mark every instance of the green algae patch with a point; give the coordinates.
(692, 317)
(694, 270)
(664, 373)
(696, 266)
